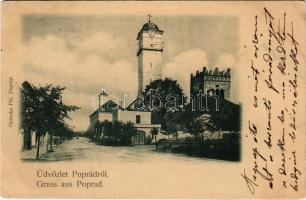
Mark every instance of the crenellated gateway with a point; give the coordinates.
(211, 82)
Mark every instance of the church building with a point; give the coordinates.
(149, 54)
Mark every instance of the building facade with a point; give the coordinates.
(112, 112)
(105, 112)
(149, 53)
(141, 120)
(211, 82)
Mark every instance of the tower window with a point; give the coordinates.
(137, 119)
(217, 92)
(222, 93)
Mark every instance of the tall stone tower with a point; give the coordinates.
(149, 53)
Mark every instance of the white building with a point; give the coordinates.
(105, 112)
(141, 118)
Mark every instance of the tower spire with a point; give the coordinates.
(149, 15)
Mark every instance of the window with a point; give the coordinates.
(217, 92)
(222, 93)
(137, 119)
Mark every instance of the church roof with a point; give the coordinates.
(137, 105)
(149, 26)
(109, 106)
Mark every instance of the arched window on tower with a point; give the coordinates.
(217, 92)
(222, 93)
(210, 92)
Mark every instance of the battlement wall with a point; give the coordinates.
(213, 75)
(211, 82)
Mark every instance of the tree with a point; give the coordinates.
(164, 97)
(107, 128)
(27, 119)
(195, 128)
(129, 131)
(117, 131)
(97, 131)
(228, 118)
(56, 110)
(43, 110)
(38, 115)
(63, 131)
(208, 123)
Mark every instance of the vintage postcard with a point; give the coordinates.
(153, 99)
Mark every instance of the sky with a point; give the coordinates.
(89, 53)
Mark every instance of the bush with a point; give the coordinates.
(117, 133)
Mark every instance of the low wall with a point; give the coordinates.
(222, 149)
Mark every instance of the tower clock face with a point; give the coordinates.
(151, 33)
